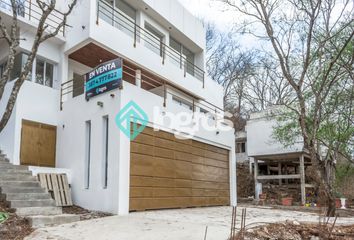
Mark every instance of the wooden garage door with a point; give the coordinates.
(38, 144)
(170, 173)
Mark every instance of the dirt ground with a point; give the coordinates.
(14, 227)
(191, 224)
(84, 213)
(17, 228)
(298, 231)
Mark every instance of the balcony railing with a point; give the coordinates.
(120, 21)
(30, 10)
(71, 89)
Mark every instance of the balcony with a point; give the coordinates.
(29, 10)
(141, 36)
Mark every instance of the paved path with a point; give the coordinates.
(186, 224)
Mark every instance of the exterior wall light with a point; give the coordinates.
(100, 104)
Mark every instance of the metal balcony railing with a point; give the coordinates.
(30, 10)
(70, 89)
(107, 13)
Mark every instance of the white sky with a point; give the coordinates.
(214, 11)
(211, 11)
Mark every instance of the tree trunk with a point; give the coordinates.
(324, 178)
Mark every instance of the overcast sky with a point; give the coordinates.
(211, 10)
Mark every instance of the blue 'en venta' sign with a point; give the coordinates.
(105, 77)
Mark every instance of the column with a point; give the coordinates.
(255, 178)
(302, 179)
(138, 78)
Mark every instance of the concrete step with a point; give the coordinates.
(4, 160)
(27, 196)
(4, 166)
(31, 203)
(43, 221)
(12, 189)
(20, 183)
(16, 177)
(15, 171)
(32, 211)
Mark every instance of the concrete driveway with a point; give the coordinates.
(186, 224)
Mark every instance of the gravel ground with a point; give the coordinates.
(186, 224)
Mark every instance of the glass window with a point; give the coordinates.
(240, 147)
(39, 71)
(44, 73)
(182, 103)
(78, 85)
(49, 73)
(189, 55)
(125, 17)
(153, 39)
(107, 11)
(175, 55)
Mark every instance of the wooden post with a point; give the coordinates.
(286, 173)
(279, 173)
(302, 180)
(256, 178)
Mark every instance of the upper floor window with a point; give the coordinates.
(44, 73)
(153, 39)
(182, 53)
(182, 102)
(43, 69)
(240, 147)
(118, 13)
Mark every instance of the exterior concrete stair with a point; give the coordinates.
(24, 195)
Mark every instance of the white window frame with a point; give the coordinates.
(34, 68)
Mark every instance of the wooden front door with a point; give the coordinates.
(38, 144)
(166, 172)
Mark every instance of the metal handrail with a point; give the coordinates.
(118, 19)
(30, 10)
(68, 88)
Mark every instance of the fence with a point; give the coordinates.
(30, 10)
(118, 20)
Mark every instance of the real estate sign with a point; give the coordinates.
(105, 77)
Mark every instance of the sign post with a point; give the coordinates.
(105, 77)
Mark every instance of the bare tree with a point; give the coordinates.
(12, 37)
(313, 44)
(229, 65)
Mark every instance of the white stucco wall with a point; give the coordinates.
(71, 146)
(260, 139)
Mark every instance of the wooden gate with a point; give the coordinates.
(38, 144)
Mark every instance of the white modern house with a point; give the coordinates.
(57, 127)
(270, 160)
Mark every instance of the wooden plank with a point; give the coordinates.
(57, 197)
(61, 190)
(272, 177)
(67, 190)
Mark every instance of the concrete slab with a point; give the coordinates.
(186, 224)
